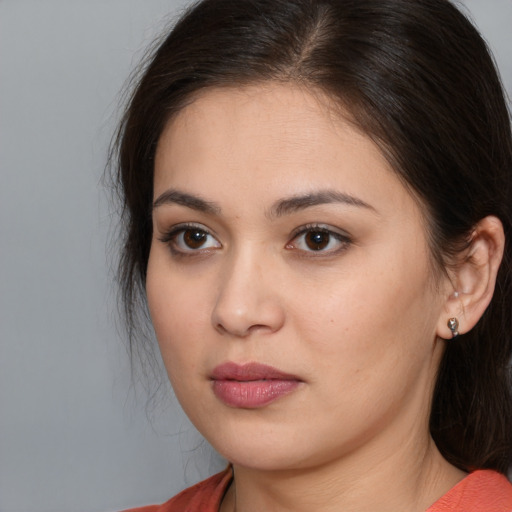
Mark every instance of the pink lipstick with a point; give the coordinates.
(251, 385)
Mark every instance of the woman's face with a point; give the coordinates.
(289, 282)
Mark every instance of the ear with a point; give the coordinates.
(473, 277)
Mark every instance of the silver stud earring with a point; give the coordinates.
(453, 325)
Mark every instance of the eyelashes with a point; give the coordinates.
(309, 240)
(318, 238)
(190, 238)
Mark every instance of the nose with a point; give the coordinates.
(248, 300)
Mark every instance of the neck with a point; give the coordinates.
(405, 478)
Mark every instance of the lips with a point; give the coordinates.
(251, 385)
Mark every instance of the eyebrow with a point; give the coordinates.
(173, 196)
(301, 202)
(279, 208)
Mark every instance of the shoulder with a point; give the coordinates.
(481, 491)
(205, 496)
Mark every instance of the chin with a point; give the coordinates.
(266, 459)
(270, 448)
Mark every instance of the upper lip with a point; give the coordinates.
(249, 372)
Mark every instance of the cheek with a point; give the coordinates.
(174, 308)
(373, 320)
(170, 305)
(180, 304)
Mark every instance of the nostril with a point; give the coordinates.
(220, 328)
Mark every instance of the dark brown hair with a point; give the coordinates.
(418, 79)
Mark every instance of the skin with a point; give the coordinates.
(359, 321)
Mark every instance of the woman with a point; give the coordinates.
(318, 204)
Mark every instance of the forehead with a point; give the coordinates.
(274, 139)
(278, 114)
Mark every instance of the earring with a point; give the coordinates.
(453, 325)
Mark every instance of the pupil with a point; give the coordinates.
(194, 238)
(317, 240)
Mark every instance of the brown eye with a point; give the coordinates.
(194, 238)
(190, 240)
(317, 240)
(320, 239)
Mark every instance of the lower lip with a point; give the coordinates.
(252, 394)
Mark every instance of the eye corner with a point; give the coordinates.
(318, 240)
(190, 240)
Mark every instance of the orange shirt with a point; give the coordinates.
(206, 496)
(481, 491)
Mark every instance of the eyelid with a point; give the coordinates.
(170, 235)
(342, 237)
(320, 227)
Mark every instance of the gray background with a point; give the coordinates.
(74, 429)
